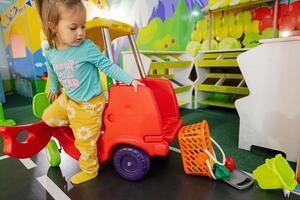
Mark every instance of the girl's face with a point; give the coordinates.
(70, 30)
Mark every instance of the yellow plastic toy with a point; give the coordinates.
(276, 173)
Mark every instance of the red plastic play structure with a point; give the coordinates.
(148, 120)
(135, 126)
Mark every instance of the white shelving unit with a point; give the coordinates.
(175, 66)
(219, 81)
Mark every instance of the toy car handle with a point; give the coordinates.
(214, 158)
(109, 49)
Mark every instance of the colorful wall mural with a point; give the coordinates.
(244, 27)
(21, 38)
(161, 25)
(169, 34)
(21, 33)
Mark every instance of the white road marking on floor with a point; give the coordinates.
(52, 189)
(296, 192)
(28, 163)
(4, 157)
(175, 149)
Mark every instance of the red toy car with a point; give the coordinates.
(135, 125)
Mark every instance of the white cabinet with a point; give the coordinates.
(270, 115)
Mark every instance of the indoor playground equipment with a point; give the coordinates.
(199, 158)
(219, 80)
(149, 120)
(276, 173)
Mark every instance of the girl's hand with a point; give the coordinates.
(135, 84)
(52, 96)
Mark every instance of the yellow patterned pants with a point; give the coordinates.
(85, 119)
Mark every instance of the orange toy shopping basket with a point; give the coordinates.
(196, 149)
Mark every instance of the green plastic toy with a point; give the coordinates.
(221, 172)
(3, 122)
(53, 153)
(39, 104)
(276, 173)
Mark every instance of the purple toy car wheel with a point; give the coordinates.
(131, 163)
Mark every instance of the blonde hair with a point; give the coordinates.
(49, 12)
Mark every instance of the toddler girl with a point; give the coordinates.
(73, 61)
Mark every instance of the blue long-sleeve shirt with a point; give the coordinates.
(76, 68)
